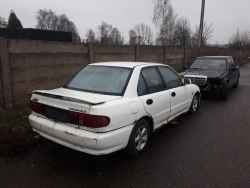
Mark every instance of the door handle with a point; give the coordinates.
(149, 101)
(173, 94)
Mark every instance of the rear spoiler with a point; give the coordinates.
(90, 101)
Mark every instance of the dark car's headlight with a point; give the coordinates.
(216, 82)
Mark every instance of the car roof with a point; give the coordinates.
(127, 64)
(222, 57)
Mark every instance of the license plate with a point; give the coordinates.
(56, 114)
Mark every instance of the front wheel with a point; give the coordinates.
(225, 92)
(194, 105)
(237, 83)
(139, 137)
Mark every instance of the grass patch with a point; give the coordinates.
(16, 135)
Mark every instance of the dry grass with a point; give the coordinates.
(16, 135)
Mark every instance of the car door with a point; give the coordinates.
(232, 74)
(180, 93)
(152, 93)
(235, 72)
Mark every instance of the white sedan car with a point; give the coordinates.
(113, 105)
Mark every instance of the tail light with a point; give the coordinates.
(36, 107)
(88, 120)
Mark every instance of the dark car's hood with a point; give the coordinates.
(204, 72)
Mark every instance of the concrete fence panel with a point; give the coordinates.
(104, 53)
(27, 65)
(151, 54)
(191, 53)
(32, 46)
(175, 58)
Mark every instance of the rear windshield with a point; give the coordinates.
(209, 63)
(101, 79)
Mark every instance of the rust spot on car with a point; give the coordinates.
(135, 121)
(173, 121)
(70, 133)
(149, 116)
(208, 88)
(54, 125)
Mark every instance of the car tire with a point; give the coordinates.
(225, 92)
(139, 138)
(237, 83)
(194, 105)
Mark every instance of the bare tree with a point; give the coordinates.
(182, 33)
(164, 19)
(49, 20)
(144, 32)
(90, 36)
(46, 19)
(115, 37)
(132, 37)
(109, 35)
(104, 32)
(240, 40)
(206, 35)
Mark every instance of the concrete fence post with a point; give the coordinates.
(137, 52)
(90, 53)
(6, 74)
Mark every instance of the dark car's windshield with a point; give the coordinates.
(209, 63)
(100, 79)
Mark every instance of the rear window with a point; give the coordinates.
(101, 79)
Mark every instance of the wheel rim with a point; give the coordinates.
(195, 103)
(141, 137)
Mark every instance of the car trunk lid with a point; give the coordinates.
(71, 100)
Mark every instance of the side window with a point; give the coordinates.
(153, 80)
(142, 88)
(170, 77)
(230, 63)
(234, 64)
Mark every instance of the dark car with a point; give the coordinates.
(213, 74)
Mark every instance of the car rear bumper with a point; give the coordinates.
(81, 140)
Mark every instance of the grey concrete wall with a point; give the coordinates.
(42, 65)
(175, 58)
(191, 53)
(27, 65)
(151, 54)
(104, 53)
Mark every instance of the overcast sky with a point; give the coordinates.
(226, 15)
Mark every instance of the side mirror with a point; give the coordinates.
(187, 81)
(185, 67)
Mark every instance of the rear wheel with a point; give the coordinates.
(139, 137)
(195, 104)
